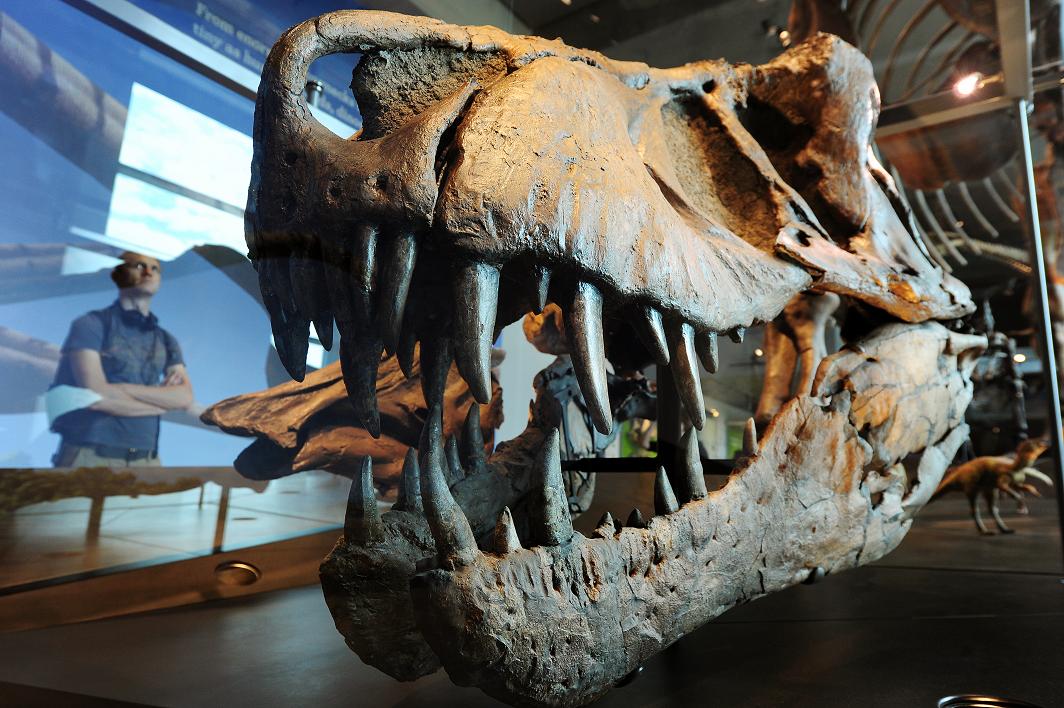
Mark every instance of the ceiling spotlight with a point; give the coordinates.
(759, 352)
(966, 85)
(1019, 358)
(774, 30)
(714, 413)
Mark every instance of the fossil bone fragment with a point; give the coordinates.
(659, 209)
(794, 345)
(310, 424)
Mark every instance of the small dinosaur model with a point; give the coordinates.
(993, 474)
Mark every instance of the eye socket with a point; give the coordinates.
(144, 267)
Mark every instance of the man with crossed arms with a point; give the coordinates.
(131, 368)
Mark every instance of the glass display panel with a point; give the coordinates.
(111, 148)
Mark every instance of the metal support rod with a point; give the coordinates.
(219, 524)
(1045, 325)
(670, 425)
(611, 465)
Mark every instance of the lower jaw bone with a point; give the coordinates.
(561, 624)
(367, 575)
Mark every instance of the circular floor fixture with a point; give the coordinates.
(975, 700)
(237, 573)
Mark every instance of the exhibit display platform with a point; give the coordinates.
(907, 631)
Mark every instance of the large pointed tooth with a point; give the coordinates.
(435, 365)
(323, 327)
(360, 355)
(363, 524)
(540, 288)
(750, 437)
(476, 298)
(706, 346)
(664, 498)
(694, 483)
(552, 524)
(396, 274)
(736, 334)
(301, 278)
(473, 441)
(278, 272)
(506, 540)
(636, 520)
(455, 544)
(583, 324)
(336, 268)
(364, 270)
(457, 474)
(291, 331)
(293, 342)
(651, 332)
(310, 292)
(404, 350)
(409, 496)
(606, 527)
(685, 371)
(271, 298)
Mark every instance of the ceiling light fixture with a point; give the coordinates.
(967, 84)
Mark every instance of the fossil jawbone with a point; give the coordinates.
(559, 624)
(495, 172)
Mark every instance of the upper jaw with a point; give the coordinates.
(538, 172)
(550, 166)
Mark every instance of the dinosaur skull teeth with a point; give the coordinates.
(649, 329)
(398, 269)
(680, 337)
(580, 612)
(367, 284)
(476, 300)
(430, 485)
(495, 174)
(583, 324)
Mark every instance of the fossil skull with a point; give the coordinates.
(660, 209)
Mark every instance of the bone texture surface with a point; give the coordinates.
(560, 621)
(310, 424)
(364, 580)
(492, 169)
(648, 216)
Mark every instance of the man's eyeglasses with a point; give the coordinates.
(145, 267)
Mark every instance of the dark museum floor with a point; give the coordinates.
(947, 613)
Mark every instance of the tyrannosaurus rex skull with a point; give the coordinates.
(659, 209)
